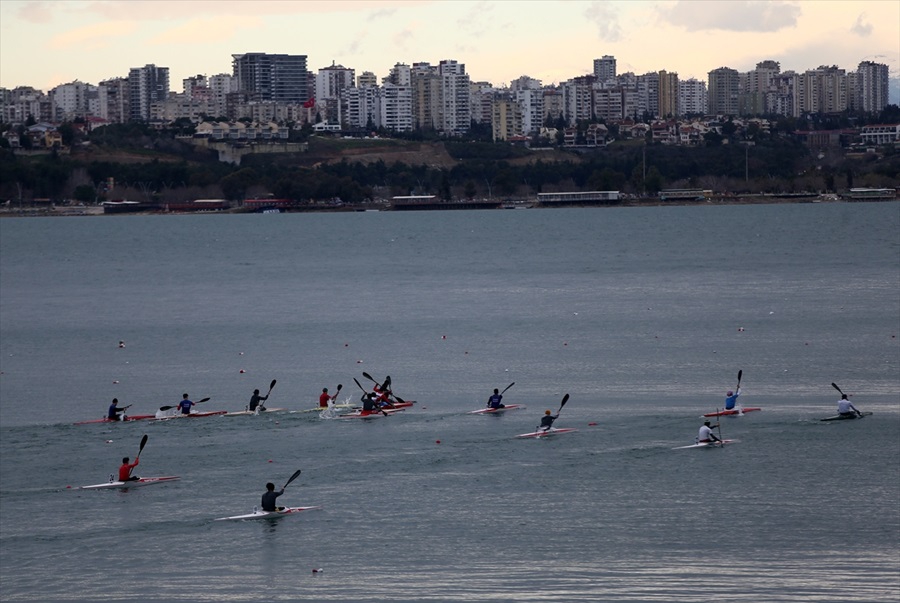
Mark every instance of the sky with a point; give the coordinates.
(45, 43)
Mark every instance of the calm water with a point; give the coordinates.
(643, 316)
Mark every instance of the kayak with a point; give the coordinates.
(369, 414)
(494, 411)
(734, 411)
(107, 420)
(193, 415)
(543, 433)
(135, 483)
(706, 445)
(259, 514)
(846, 417)
(324, 408)
(253, 412)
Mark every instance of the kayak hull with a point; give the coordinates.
(371, 414)
(258, 514)
(324, 408)
(495, 411)
(137, 483)
(253, 412)
(545, 433)
(706, 445)
(193, 415)
(732, 412)
(127, 418)
(846, 418)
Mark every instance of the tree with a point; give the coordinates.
(85, 193)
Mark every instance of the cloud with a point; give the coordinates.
(404, 37)
(862, 28)
(606, 20)
(737, 15)
(92, 37)
(163, 10)
(206, 30)
(36, 12)
(384, 13)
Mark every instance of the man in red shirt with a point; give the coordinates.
(126, 469)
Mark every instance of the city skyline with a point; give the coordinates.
(552, 41)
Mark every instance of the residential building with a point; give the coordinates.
(667, 95)
(605, 69)
(455, 98)
(146, 85)
(723, 91)
(872, 86)
(506, 120)
(692, 97)
(272, 77)
(426, 88)
(395, 107)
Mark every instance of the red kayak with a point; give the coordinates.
(107, 420)
(734, 411)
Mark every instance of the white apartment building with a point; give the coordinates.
(605, 69)
(578, 96)
(692, 97)
(178, 106)
(481, 101)
(872, 86)
(146, 85)
(359, 107)
(531, 104)
(395, 108)
(456, 110)
(220, 86)
(71, 100)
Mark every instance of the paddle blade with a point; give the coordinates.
(339, 387)
(271, 385)
(740, 374)
(292, 478)
(387, 383)
(400, 400)
(834, 385)
(368, 376)
(143, 443)
(203, 400)
(166, 408)
(563, 403)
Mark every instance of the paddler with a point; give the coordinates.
(185, 405)
(115, 413)
(846, 408)
(126, 468)
(731, 398)
(369, 405)
(269, 496)
(256, 401)
(494, 401)
(706, 435)
(324, 398)
(547, 419)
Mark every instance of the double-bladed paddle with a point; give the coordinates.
(292, 478)
(834, 385)
(176, 406)
(141, 449)
(507, 387)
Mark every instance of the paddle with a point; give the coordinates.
(292, 478)
(719, 423)
(271, 385)
(141, 449)
(740, 374)
(507, 387)
(176, 406)
(366, 392)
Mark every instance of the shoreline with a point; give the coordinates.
(93, 211)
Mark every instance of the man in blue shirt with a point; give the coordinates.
(185, 405)
(113, 414)
(268, 498)
(494, 401)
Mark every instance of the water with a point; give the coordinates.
(643, 316)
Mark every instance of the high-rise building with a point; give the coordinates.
(272, 77)
(146, 85)
(71, 100)
(426, 89)
(220, 86)
(455, 98)
(605, 69)
(872, 86)
(667, 105)
(823, 90)
(395, 107)
(506, 119)
(692, 97)
(757, 89)
(367, 79)
(400, 75)
(723, 91)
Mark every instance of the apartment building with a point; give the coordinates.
(692, 97)
(272, 77)
(872, 86)
(455, 98)
(723, 91)
(146, 85)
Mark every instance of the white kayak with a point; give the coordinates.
(135, 483)
(259, 514)
(706, 445)
(494, 411)
(253, 412)
(544, 433)
(847, 417)
(324, 408)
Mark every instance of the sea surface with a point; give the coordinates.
(644, 316)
